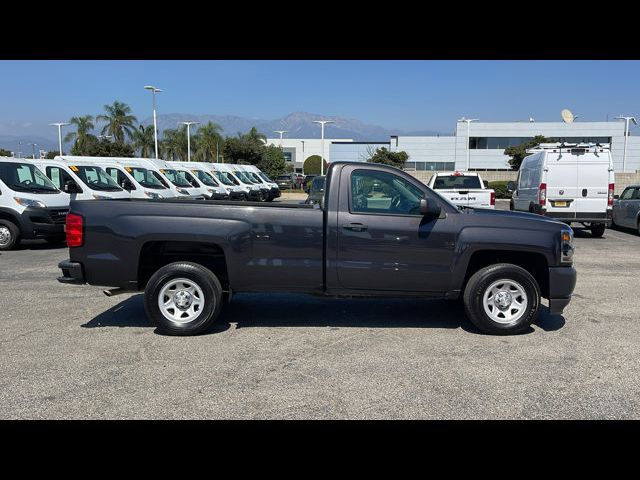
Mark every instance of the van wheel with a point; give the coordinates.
(597, 230)
(183, 298)
(502, 299)
(9, 235)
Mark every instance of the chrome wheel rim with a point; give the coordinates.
(505, 301)
(181, 300)
(5, 235)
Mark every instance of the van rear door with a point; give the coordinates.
(562, 184)
(593, 184)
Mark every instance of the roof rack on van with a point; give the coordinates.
(572, 147)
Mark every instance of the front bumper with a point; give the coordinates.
(219, 196)
(71, 273)
(38, 222)
(562, 281)
(275, 192)
(238, 195)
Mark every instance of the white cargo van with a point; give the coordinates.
(572, 183)
(180, 180)
(233, 187)
(272, 188)
(257, 191)
(30, 205)
(80, 180)
(202, 178)
(146, 173)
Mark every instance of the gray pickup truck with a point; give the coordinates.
(377, 232)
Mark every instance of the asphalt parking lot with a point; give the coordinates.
(71, 352)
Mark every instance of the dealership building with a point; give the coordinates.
(475, 146)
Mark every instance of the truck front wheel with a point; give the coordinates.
(183, 298)
(502, 299)
(9, 235)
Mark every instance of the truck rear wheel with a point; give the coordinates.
(183, 298)
(502, 299)
(9, 235)
(597, 230)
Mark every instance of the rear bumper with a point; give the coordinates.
(37, 222)
(562, 281)
(587, 217)
(71, 273)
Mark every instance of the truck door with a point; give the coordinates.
(383, 242)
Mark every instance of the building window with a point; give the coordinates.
(500, 143)
(287, 156)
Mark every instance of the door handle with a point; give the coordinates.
(356, 227)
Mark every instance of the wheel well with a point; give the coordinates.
(155, 255)
(11, 218)
(534, 263)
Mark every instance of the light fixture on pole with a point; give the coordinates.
(153, 91)
(281, 132)
(33, 146)
(59, 125)
(626, 134)
(188, 124)
(468, 120)
(322, 124)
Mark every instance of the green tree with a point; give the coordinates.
(207, 141)
(82, 137)
(51, 154)
(174, 143)
(144, 141)
(4, 153)
(518, 152)
(119, 121)
(256, 136)
(386, 157)
(273, 162)
(311, 165)
(107, 148)
(243, 149)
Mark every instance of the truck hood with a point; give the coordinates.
(509, 214)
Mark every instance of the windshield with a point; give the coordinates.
(205, 178)
(224, 177)
(255, 176)
(456, 181)
(265, 177)
(243, 177)
(145, 177)
(96, 178)
(23, 177)
(179, 179)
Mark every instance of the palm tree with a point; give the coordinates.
(175, 141)
(119, 121)
(144, 141)
(207, 141)
(81, 137)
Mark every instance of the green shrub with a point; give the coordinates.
(500, 188)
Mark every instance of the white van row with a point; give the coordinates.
(35, 194)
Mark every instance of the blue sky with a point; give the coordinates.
(408, 95)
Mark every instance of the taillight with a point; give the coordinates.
(610, 198)
(542, 194)
(493, 198)
(73, 230)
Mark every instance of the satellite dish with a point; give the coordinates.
(567, 116)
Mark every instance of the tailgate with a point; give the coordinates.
(478, 198)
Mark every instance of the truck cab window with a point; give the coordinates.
(383, 193)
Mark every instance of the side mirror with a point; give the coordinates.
(511, 186)
(127, 185)
(71, 187)
(429, 208)
(486, 183)
(616, 197)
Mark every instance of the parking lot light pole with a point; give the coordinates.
(322, 124)
(33, 147)
(153, 91)
(626, 135)
(59, 125)
(188, 124)
(281, 132)
(468, 121)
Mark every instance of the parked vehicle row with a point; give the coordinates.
(35, 194)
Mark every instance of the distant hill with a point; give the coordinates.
(297, 124)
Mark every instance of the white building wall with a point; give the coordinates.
(432, 150)
(354, 151)
(303, 148)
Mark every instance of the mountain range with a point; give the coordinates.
(297, 124)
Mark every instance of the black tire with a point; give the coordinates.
(597, 230)
(482, 280)
(14, 235)
(511, 205)
(204, 278)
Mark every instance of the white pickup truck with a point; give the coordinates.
(463, 188)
